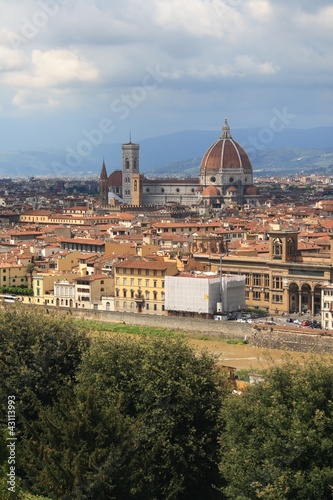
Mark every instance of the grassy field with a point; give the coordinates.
(97, 327)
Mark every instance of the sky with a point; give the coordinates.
(80, 72)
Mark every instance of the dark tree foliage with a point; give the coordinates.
(40, 353)
(277, 443)
(142, 423)
(16, 290)
(39, 357)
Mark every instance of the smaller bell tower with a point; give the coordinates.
(283, 245)
(103, 187)
(136, 190)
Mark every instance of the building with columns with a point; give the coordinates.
(226, 179)
(284, 280)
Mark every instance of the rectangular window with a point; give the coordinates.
(155, 283)
(256, 295)
(147, 283)
(155, 273)
(124, 281)
(139, 282)
(132, 281)
(266, 280)
(247, 279)
(277, 282)
(139, 271)
(277, 298)
(257, 280)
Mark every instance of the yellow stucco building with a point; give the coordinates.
(140, 285)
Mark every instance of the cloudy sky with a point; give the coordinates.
(95, 69)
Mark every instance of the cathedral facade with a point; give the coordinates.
(226, 179)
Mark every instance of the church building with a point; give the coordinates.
(226, 179)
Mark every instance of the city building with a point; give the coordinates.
(283, 280)
(327, 307)
(140, 285)
(203, 294)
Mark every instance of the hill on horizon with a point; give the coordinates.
(181, 153)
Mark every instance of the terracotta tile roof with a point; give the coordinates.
(139, 264)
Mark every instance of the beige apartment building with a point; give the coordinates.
(140, 285)
(13, 275)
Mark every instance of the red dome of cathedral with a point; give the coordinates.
(225, 155)
(115, 179)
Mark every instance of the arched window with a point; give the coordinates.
(127, 163)
(135, 185)
(291, 246)
(277, 248)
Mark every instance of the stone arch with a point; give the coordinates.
(277, 248)
(306, 298)
(293, 297)
(291, 246)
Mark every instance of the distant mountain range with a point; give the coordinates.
(180, 153)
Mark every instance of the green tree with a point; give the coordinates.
(40, 353)
(30, 269)
(142, 422)
(277, 440)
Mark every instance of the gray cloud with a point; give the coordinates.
(69, 58)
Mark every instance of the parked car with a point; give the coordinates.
(305, 322)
